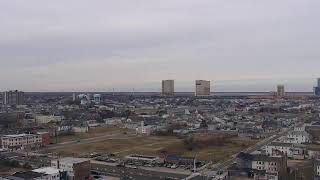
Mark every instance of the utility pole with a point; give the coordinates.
(123, 173)
(27, 146)
(56, 135)
(194, 163)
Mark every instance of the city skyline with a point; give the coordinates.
(57, 46)
(159, 90)
(215, 86)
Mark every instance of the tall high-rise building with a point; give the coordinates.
(280, 90)
(168, 87)
(317, 88)
(74, 97)
(202, 88)
(13, 97)
(1, 98)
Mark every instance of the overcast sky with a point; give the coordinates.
(97, 45)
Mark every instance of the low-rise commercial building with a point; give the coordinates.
(51, 173)
(76, 168)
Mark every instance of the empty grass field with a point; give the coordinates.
(158, 146)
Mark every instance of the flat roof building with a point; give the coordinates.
(97, 98)
(13, 97)
(280, 90)
(30, 175)
(202, 88)
(76, 168)
(52, 173)
(168, 87)
(21, 141)
(142, 159)
(317, 88)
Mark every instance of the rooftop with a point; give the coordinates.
(70, 160)
(283, 144)
(258, 157)
(18, 135)
(141, 156)
(299, 133)
(47, 170)
(25, 175)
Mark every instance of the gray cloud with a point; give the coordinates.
(82, 45)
